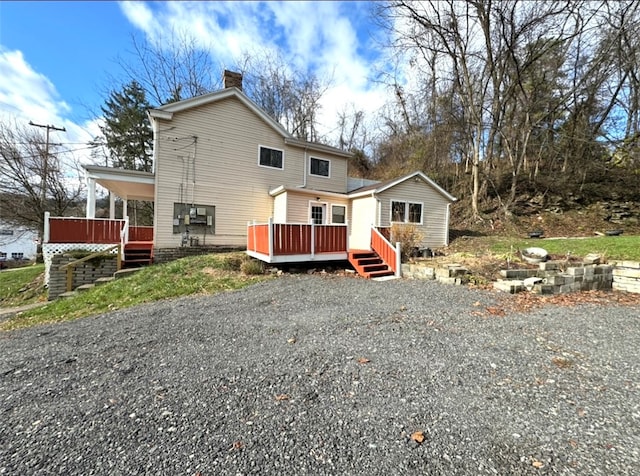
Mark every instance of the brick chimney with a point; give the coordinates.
(232, 80)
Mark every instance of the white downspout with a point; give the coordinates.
(304, 168)
(446, 228)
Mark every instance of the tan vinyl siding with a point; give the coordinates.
(434, 209)
(299, 203)
(227, 174)
(363, 216)
(337, 180)
(226, 171)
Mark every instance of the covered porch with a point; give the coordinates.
(126, 184)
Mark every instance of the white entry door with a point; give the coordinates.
(318, 213)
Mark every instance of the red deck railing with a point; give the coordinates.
(84, 230)
(330, 238)
(291, 239)
(140, 233)
(258, 238)
(296, 239)
(385, 249)
(94, 230)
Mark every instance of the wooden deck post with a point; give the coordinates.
(398, 260)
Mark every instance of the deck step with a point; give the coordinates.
(68, 294)
(137, 254)
(105, 280)
(369, 265)
(123, 273)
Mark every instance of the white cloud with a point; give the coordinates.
(313, 36)
(26, 95)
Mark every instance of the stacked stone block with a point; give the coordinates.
(626, 276)
(448, 273)
(83, 273)
(164, 255)
(554, 280)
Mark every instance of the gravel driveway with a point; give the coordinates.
(325, 375)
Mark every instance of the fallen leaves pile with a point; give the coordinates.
(527, 302)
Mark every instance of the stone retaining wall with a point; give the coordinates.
(626, 276)
(164, 255)
(552, 278)
(452, 273)
(84, 273)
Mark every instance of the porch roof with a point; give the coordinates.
(126, 184)
(309, 191)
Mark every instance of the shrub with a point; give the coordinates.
(232, 262)
(408, 236)
(252, 266)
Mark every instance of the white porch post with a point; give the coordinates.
(112, 206)
(313, 239)
(348, 232)
(398, 260)
(91, 198)
(270, 238)
(47, 229)
(125, 214)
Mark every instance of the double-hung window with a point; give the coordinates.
(320, 167)
(271, 157)
(406, 212)
(338, 214)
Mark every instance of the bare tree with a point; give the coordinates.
(292, 97)
(172, 68)
(35, 178)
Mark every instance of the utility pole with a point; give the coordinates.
(45, 171)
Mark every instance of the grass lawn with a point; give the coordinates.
(208, 274)
(610, 247)
(19, 286)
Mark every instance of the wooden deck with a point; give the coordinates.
(296, 242)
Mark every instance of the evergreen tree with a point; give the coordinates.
(127, 129)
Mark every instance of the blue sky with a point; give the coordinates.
(59, 59)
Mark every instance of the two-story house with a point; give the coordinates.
(226, 174)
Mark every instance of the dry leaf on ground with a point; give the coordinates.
(417, 436)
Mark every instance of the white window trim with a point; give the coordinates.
(316, 175)
(260, 146)
(345, 213)
(406, 212)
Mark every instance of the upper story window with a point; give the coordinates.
(271, 157)
(320, 167)
(406, 212)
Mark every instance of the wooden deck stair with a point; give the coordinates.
(137, 254)
(368, 264)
